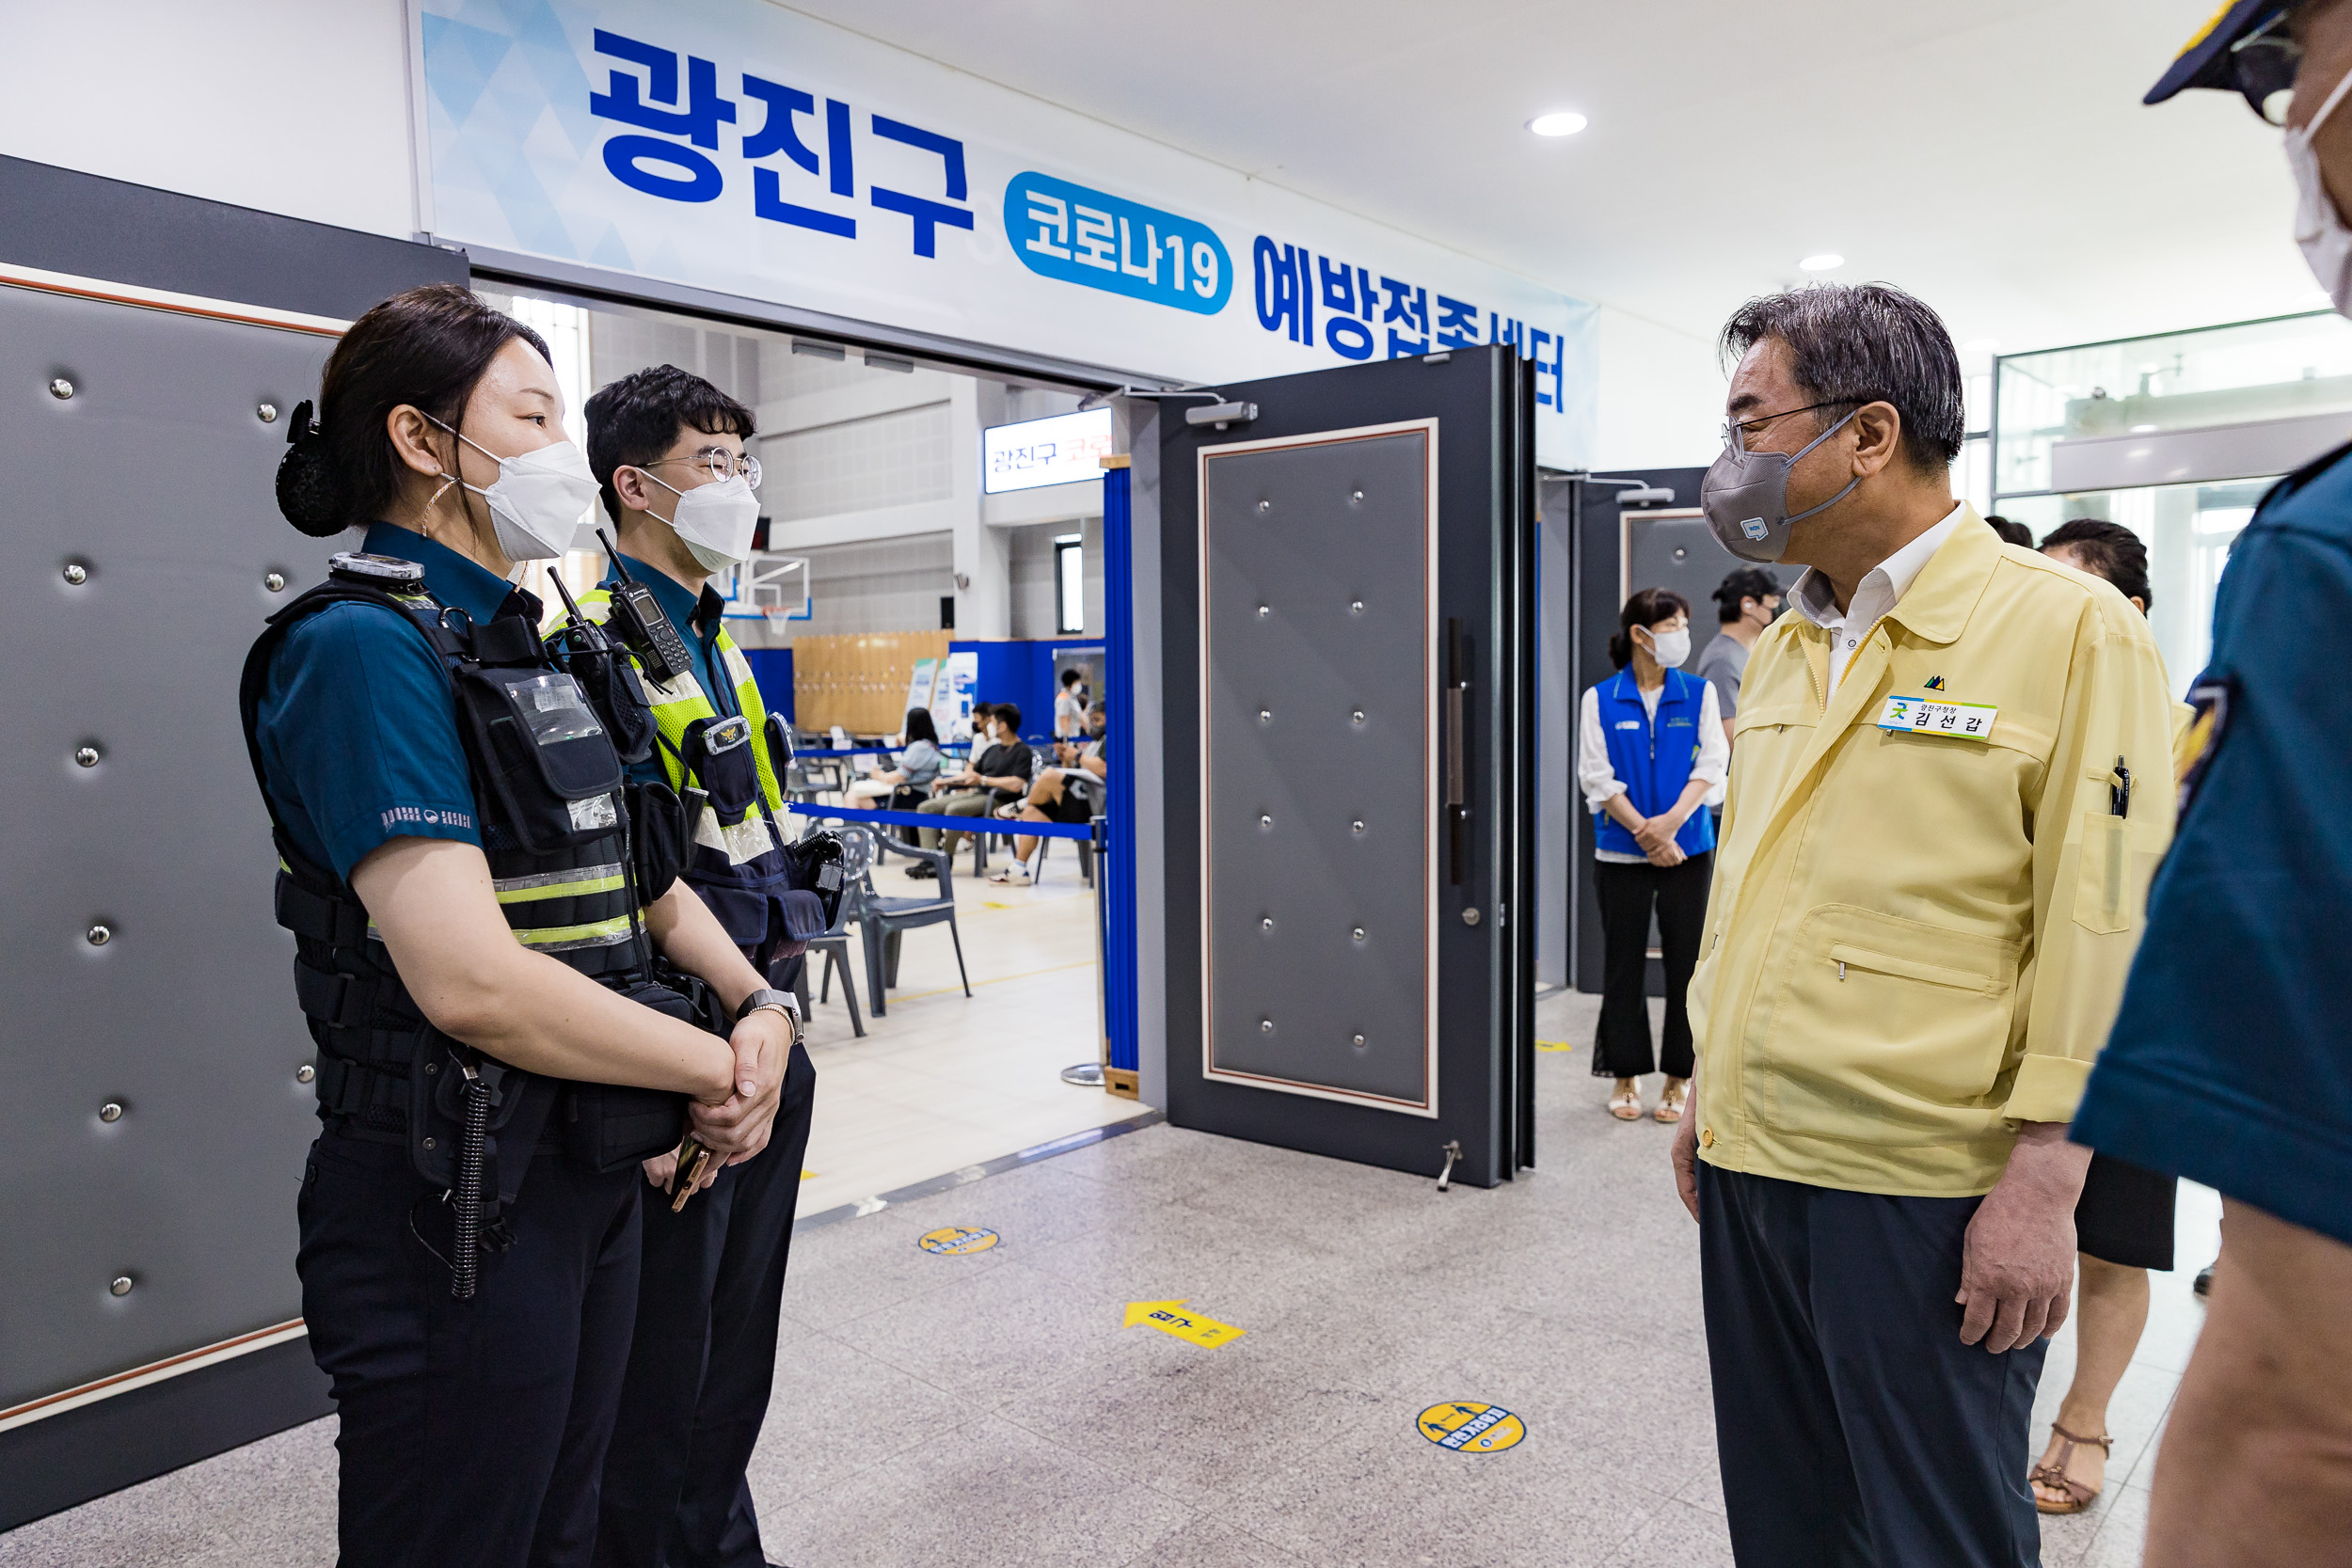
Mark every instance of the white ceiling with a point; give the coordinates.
(1989, 155)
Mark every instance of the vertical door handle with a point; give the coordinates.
(1458, 809)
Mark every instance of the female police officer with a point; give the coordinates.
(476, 938)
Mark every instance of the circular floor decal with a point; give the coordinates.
(955, 1241)
(1465, 1426)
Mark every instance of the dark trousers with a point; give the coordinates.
(1627, 893)
(704, 1357)
(472, 1432)
(1853, 1427)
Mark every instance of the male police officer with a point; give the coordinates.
(667, 449)
(2232, 1061)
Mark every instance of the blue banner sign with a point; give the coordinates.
(1075, 235)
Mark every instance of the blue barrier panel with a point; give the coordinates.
(772, 671)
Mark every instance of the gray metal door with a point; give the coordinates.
(153, 1108)
(1354, 629)
(1675, 549)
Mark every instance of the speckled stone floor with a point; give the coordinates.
(935, 1411)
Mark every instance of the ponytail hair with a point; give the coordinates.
(1645, 608)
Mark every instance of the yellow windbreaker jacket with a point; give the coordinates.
(1916, 941)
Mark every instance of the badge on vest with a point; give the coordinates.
(1918, 716)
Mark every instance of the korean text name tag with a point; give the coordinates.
(1921, 716)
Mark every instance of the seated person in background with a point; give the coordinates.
(918, 763)
(999, 774)
(1051, 800)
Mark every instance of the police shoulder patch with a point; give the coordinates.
(2194, 749)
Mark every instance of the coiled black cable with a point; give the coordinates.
(473, 1138)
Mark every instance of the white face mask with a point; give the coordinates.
(2319, 228)
(1670, 648)
(716, 521)
(539, 498)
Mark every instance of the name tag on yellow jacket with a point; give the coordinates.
(1925, 716)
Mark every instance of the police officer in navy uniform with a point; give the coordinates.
(667, 447)
(486, 918)
(2231, 1062)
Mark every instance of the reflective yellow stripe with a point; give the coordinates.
(562, 938)
(561, 884)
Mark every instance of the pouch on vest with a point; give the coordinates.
(779, 739)
(803, 915)
(718, 751)
(542, 748)
(612, 1126)
(618, 697)
(519, 1108)
(658, 837)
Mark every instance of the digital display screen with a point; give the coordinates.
(1062, 449)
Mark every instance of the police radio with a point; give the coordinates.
(645, 629)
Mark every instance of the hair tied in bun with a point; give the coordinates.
(310, 491)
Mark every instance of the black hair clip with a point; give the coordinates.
(310, 490)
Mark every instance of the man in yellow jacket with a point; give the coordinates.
(1948, 787)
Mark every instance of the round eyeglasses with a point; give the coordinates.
(720, 463)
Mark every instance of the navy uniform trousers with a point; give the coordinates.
(472, 1432)
(703, 1359)
(1853, 1427)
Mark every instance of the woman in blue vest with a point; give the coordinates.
(1649, 747)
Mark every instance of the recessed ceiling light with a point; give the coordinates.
(1981, 345)
(1561, 124)
(1822, 261)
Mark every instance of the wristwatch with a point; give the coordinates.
(774, 1000)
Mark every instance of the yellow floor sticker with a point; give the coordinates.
(807, 1175)
(1554, 1045)
(1163, 1316)
(957, 1242)
(1465, 1426)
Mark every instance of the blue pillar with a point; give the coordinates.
(1115, 862)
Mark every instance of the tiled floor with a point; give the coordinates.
(942, 1082)
(991, 1409)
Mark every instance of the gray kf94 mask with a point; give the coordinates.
(1745, 496)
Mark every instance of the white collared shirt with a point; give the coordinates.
(1881, 589)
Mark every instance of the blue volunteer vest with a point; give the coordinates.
(1653, 765)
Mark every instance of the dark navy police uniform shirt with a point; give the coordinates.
(2231, 1062)
(357, 731)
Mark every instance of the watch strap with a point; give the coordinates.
(782, 1001)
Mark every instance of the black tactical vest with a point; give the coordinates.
(556, 825)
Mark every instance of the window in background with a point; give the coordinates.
(1070, 584)
(2213, 415)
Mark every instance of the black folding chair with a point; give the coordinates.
(856, 858)
(880, 919)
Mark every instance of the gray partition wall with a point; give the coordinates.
(153, 1099)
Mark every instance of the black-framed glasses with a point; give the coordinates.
(1736, 432)
(720, 463)
(2261, 67)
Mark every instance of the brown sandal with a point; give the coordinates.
(2078, 1496)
